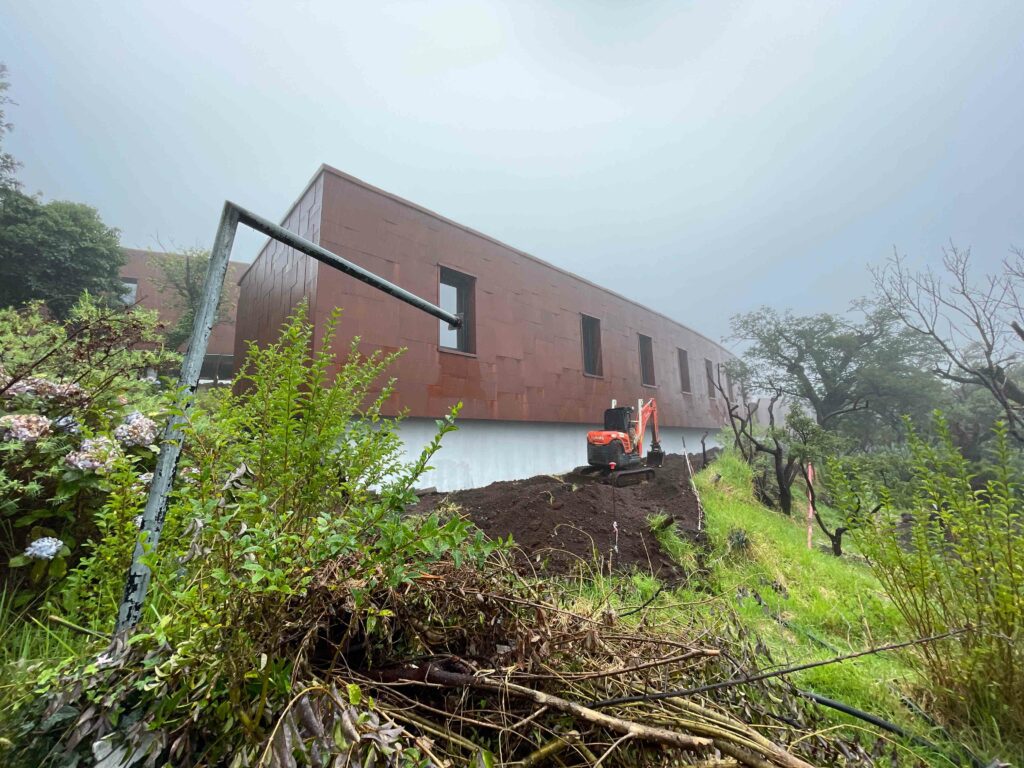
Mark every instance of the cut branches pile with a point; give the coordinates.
(465, 664)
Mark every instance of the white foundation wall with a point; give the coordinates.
(482, 452)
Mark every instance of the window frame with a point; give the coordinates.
(465, 299)
(653, 383)
(683, 361)
(584, 317)
(709, 372)
(131, 285)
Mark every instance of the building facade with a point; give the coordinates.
(143, 278)
(540, 355)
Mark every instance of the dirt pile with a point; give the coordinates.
(560, 523)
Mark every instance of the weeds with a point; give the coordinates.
(951, 559)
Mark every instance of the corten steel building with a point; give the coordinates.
(540, 356)
(142, 278)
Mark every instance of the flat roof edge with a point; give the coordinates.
(325, 168)
(288, 212)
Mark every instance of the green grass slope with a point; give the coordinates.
(805, 605)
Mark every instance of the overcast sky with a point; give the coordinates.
(703, 158)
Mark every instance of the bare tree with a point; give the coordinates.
(773, 443)
(835, 536)
(978, 325)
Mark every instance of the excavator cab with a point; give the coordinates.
(618, 419)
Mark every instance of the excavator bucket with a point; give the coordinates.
(655, 456)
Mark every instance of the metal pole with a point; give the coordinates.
(137, 580)
(277, 232)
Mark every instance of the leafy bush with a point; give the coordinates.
(73, 406)
(952, 559)
(286, 539)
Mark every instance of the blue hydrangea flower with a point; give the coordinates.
(45, 548)
(68, 424)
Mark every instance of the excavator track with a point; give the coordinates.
(621, 478)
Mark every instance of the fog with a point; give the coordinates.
(700, 158)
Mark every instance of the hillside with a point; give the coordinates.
(807, 605)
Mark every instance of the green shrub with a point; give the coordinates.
(952, 559)
(286, 534)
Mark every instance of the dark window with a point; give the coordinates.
(646, 361)
(684, 370)
(217, 369)
(709, 369)
(591, 332)
(457, 296)
(131, 290)
(226, 370)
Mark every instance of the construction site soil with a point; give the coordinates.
(560, 523)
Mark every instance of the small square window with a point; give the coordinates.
(591, 332)
(684, 371)
(130, 292)
(646, 361)
(709, 369)
(456, 295)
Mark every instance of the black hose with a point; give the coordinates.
(867, 717)
(881, 723)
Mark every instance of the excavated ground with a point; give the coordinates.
(561, 523)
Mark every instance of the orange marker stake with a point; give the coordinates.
(810, 507)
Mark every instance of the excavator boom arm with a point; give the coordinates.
(648, 415)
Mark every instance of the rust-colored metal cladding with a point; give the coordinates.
(142, 271)
(520, 355)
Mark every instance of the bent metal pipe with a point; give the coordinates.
(138, 577)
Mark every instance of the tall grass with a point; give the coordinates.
(804, 602)
(28, 645)
(810, 605)
(954, 560)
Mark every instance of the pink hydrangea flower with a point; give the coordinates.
(97, 454)
(35, 386)
(26, 427)
(137, 429)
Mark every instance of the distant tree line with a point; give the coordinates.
(854, 384)
(56, 251)
(52, 251)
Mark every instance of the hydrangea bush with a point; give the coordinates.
(291, 480)
(77, 400)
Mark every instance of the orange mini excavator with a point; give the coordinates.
(617, 451)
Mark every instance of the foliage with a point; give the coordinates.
(977, 325)
(972, 414)
(54, 252)
(182, 276)
(951, 560)
(67, 391)
(861, 377)
(288, 533)
(781, 452)
(8, 165)
(892, 467)
(801, 604)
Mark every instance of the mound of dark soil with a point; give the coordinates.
(560, 523)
